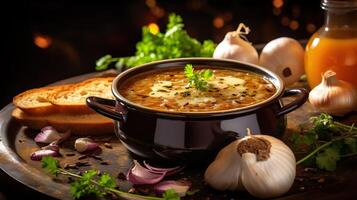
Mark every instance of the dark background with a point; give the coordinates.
(77, 33)
(46, 41)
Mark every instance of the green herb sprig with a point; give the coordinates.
(327, 141)
(92, 183)
(198, 79)
(174, 43)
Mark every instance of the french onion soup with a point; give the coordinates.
(200, 90)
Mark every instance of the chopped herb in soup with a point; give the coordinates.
(171, 90)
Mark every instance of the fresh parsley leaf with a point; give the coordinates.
(308, 138)
(174, 43)
(174, 20)
(170, 194)
(84, 186)
(189, 71)
(90, 184)
(351, 144)
(324, 126)
(107, 181)
(207, 74)
(81, 188)
(328, 140)
(50, 164)
(198, 79)
(88, 175)
(207, 47)
(192, 192)
(103, 62)
(328, 158)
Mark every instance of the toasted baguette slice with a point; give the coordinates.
(79, 124)
(35, 101)
(74, 98)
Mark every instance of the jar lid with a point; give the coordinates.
(339, 4)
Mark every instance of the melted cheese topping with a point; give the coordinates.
(169, 90)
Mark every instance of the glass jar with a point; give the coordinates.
(334, 45)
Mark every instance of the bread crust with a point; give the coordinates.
(44, 107)
(73, 106)
(97, 125)
(39, 107)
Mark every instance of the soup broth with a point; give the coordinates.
(168, 90)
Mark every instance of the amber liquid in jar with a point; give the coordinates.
(330, 53)
(334, 45)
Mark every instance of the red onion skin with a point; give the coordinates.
(169, 171)
(38, 155)
(47, 128)
(139, 175)
(83, 145)
(135, 180)
(47, 136)
(53, 146)
(180, 187)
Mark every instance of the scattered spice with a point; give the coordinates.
(82, 164)
(321, 180)
(70, 166)
(70, 154)
(95, 157)
(104, 163)
(186, 94)
(121, 176)
(299, 179)
(310, 169)
(108, 145)
(82, 157)
(145, 191)
(70, 180)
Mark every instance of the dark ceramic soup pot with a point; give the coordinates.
(184, 136)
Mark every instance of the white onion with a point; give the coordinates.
(285, 57)
(235, 48)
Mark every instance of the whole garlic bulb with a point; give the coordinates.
(333, 96)
(235, 48)
(260, 164)
(285, 57)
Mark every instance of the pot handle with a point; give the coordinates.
(300, 99)
(106, 107)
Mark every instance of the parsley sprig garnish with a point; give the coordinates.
(93, 183)
(328, 141)
(174, 43)
(198, 79)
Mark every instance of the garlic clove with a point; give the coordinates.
(224, 172)
(272, 177)
(260, 164)
(333, 96)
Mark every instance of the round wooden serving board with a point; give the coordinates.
(17, 144)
